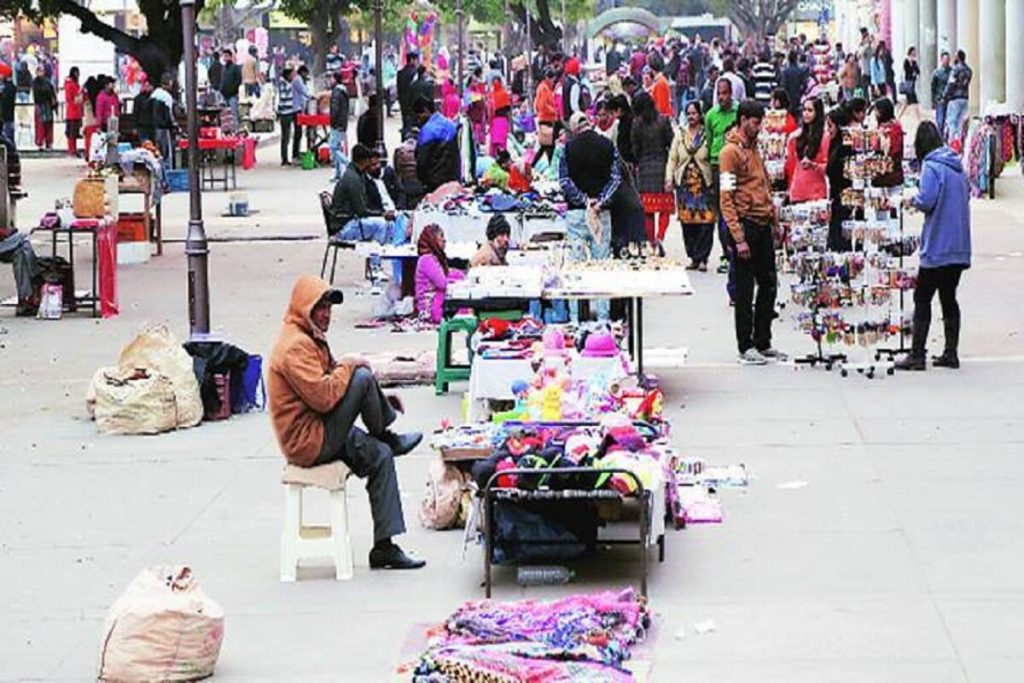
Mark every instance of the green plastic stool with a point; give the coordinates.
(510, 315)
(446, 372)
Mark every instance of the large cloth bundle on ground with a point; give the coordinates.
(162, 628)
(578, 638)
(152, 389)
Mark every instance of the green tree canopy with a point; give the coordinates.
(158, 51)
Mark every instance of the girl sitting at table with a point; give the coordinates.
(433, 274)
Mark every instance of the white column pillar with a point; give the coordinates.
(992, 38)
(911, 31)
(967, 40)
(926, 52)
(899, 43)
(1015, 54)
(945, 20)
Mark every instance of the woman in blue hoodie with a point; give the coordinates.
(945, 245)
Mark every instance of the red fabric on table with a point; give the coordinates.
(313, 120)
(213, 143)
(248, 154)
(106, 248)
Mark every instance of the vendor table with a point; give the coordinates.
(318, 128)
(634, 285)
(208, 148)
(492, 378)
(648, 510)
(104, 231)
(140, 184)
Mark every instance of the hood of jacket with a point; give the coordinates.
(736, 135)
(946, 157)
(307, 291)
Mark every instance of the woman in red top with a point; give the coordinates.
(885, 115)
(548, 121)
(807, 155)
(780, 100)
(72, 110)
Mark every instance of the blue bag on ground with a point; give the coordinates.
(248, 392)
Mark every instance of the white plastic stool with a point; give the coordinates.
(299, 542)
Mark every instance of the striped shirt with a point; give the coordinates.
(765, 82)
(285, 103)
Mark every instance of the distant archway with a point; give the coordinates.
(624, 15)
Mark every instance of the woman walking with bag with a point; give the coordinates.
(688, 173)
(945, 245)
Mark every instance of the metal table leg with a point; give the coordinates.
(488, 541)
(640, 336)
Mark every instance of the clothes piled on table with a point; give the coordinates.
(145, 157)
(616, 443)
(585, 638)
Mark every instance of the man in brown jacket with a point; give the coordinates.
(492, 252)
(315, 401)
(747, 209)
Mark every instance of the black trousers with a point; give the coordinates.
(698, 239)
(366, 454)
(287, 123)
(943, 280)
(754, 318)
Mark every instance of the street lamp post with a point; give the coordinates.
(378, 39)
(462, 44)
(196, 248)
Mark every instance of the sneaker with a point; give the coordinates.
(773, 354)
(752, 357)
(723, 267)
(911, 362)
(393, 557)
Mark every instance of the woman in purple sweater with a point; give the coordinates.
(432, 274)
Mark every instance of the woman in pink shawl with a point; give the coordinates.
(450, 100)
(432, 274)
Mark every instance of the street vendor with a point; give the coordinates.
(15, 247)
(315, 401)
(493, 251)
(437, 150)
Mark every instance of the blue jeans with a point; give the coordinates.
(375, 229)
(233, 103)
(956, 112)
(581, 243)
(336, 142)
(940, 118)
(9, 131)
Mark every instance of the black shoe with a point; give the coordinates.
(911, 362)
(401, 444)
(393, 557)
(949, 359)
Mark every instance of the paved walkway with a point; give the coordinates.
(902, 560)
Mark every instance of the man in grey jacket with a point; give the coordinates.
(338, 141)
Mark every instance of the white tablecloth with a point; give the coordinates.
(492, 378)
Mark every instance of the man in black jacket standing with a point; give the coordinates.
(231, 83)
(589, 177)
(404, 80)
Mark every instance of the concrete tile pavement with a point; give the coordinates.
(898, 562)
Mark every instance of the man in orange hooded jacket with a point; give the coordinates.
(315, 401)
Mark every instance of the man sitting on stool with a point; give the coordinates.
(314, 403)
